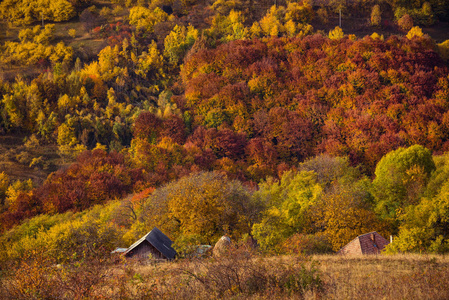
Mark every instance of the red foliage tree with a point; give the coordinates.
(147, 126)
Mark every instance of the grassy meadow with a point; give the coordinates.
(240, 275)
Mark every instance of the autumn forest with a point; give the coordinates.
(298, 125)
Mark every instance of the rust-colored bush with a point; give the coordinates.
(405, 22)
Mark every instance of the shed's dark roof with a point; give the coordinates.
(159, 241)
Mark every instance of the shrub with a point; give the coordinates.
(32, 280)
(241, 274)
(405, 22)
(376, 16)
(426, 16)
(322, 15)
(307, 244)
(42, 279)
(336, 34)
(443, 48)
(299, 13)
(72, 33)
(422, 16)
(415, 32)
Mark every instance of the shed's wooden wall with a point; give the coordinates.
(143, 250)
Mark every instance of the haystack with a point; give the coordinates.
(222, 246)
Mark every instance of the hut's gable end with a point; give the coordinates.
(353, 247)
(369, 243)
(144, 250)
(155, 243)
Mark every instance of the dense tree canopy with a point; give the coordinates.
(219, 118)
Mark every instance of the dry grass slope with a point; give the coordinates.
(322, 277)
(385, 277)
(240, 275)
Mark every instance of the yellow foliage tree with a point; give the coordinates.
(14, 190)
(4, 184)
(376, 36)
(230, 27)
(144, 18)
(299, 12)
(443, 48)
(25, 12)
(108, 60)
(271, 23)
(376, 15)
(223, 7)
(207, 205)
(178, 41)
(416, 31)
(344, 215)
(336, 34)
(61, 10)
(150, 65)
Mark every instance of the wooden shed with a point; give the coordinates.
(369, 243)
(154, 244)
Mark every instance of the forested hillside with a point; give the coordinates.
(229, 117)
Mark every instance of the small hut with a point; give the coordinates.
(369, 243)
(154, 244)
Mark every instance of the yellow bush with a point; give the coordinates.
(72, 33)
(336, 34)
(415, 31)
(376, 16)
(443, 48)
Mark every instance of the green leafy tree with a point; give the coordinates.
(66, 237)
(401, 177)
(288, 202)
(331, 170)
(150, 66)
(427, 14)
(424, 226)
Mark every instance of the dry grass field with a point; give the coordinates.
(317, 277)
(288, 277)
(241, 275)
(385, 277)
